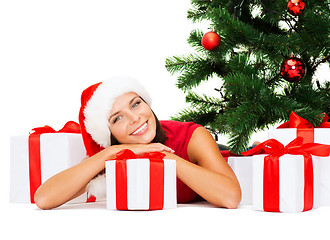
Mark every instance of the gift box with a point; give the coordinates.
(146, 182)
(39, 156)
(297, 126)
(290, 185)
(242, 167)
(286, 178)
(286, 135)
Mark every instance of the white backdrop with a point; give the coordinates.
(51, 50)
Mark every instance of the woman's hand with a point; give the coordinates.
(139, 149)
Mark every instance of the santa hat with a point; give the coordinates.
(96, 104)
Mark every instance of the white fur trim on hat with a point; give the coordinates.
(98, 108)
(97, 187)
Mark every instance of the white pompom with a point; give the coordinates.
(97, 187)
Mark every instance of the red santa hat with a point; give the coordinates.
(96, 104)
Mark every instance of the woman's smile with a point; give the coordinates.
(141, 130)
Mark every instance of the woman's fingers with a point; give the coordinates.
(145, 148)
(160, 147)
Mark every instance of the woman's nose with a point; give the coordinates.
(134, 117)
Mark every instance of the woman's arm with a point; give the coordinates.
(72, 182)
(211, 177)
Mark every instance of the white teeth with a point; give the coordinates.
(140, 129)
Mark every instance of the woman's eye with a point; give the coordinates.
(136, 104)
(116, 119)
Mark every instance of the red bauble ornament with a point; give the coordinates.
(293, 69)
(295, 7)
(211, 40)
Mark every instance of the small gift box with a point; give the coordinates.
(299, 127)
(141, 182)
(242, 167)
(287, 179)
(39, 156)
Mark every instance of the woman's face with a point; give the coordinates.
(131, 120)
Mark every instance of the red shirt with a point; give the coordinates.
(178, 136)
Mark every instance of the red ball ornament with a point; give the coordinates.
(295, 7)
(211, 41)
(293, 69)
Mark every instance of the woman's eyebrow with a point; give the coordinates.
(113, 115)
(130, 102)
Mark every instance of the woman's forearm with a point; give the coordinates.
(214, 187)
(63, 186)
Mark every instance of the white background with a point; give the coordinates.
(49, 52)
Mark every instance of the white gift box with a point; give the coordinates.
(286, 135)
(138, 184)
(291, 182)
(325, 181)
(322, 136)
(242, 167)
(58, 151)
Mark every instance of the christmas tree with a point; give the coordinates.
(264, 55)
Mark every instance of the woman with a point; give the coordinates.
(116, 115)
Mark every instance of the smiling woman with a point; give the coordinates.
(116, 115)
(131, 120)
(138, 104)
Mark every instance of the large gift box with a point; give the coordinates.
(39, 156)
(299, 127)
(242, 167)
(144, 182)
(286, 179)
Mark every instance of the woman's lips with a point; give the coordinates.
(141, 130)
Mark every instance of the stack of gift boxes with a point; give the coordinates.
(293, 174)
(290, 172)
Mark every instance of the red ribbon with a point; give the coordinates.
(275, 149)
(34, 152)
(156, 195)
(304, 128)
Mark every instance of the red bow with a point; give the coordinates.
(298, 122)
(271, 168)
(69, 127)
(304, 128)
(34, 152)
(295, 147)
(128, 154)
